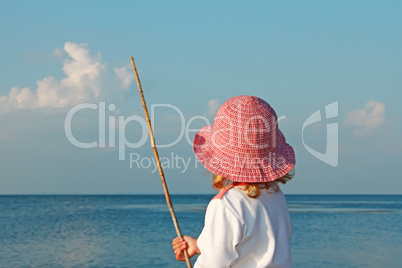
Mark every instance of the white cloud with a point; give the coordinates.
(125, 76)
(366, 119)
(82, 83)
(22, 98)
(213, 106)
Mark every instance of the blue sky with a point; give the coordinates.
(299, 56)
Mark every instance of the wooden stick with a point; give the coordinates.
(165, 188)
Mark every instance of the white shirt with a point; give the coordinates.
(243, 232)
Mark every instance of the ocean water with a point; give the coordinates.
(136, 231)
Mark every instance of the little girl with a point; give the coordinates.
(247, 224)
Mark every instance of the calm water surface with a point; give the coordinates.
(136, 230)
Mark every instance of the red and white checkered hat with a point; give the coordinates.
(244, 144)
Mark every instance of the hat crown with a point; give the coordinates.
(245, 125)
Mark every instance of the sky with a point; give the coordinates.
(71, 119)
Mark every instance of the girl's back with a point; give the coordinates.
(260, 231)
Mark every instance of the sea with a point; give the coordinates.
(137, 230)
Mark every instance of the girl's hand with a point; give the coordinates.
(187, 242)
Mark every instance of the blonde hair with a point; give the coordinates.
(252, 190)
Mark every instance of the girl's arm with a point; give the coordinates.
(179, 244)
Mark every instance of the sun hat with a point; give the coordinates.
(244, 143)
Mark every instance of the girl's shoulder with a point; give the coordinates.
(222, 192)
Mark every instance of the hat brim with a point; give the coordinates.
(272, 166)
